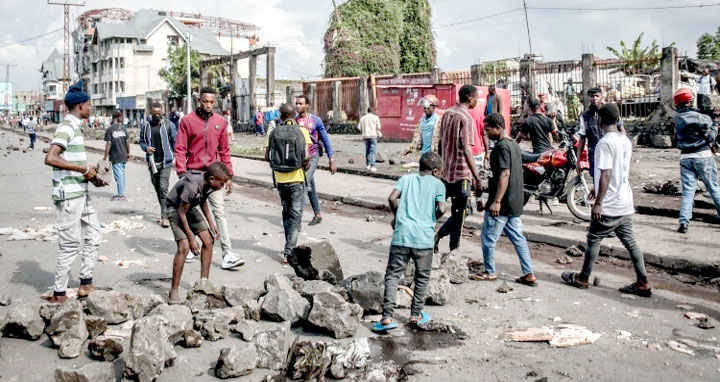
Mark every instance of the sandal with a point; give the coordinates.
(484, 277)
(570, 278)
(524, 281)
(424, 319)
(380, 328)
(633, 289)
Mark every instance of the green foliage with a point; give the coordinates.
(176, 76)
(379, 36)
(708, 46)
(638, 59)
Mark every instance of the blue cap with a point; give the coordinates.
(75, 94)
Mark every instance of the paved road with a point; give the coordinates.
(26, 270)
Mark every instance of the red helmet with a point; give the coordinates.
(683, 96)
(434, 101)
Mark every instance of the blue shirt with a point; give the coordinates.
(490, 100)
(426, 130)
(415, 216)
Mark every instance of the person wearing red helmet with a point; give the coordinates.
(696, 135)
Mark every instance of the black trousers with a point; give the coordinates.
(459, 193)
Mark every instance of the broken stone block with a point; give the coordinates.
(380, 157)
(316, 286)
(147, 355)
(246, 329)
(564, 260)
(236, 361)
(106, 349)
(366, 290)
(662, 141)
(456, 267)
(24, 321)
(215, 324)
(203, 296)
(403, 298)
(331, 312)
(246, 298)
(282, 302)
(192, 339)
(115, 307)
(504, 288)
(574, 251)
(5, 299)
(92, 372)
(151, 302)
(95, 325)
(47, 310)
(316, 261)
(271, 343)
(706, 323)
(439, 289)
(67, 329)
(179, 320)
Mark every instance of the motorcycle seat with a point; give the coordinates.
(529, 157)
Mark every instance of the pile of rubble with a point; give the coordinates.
(321, 300)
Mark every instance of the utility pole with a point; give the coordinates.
(527, 26)
(7, 88)
(66, 56)
(188, 38)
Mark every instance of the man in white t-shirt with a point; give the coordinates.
(706, 84)
(613, 209)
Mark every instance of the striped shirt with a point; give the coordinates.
(70, 184)
(456, 132)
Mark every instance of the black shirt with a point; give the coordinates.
(538, 128)
(189, 189)
(506, 155)
(117, 136)
(156, 142)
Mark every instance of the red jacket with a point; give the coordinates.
(200, 143)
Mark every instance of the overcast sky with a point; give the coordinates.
(297, 27)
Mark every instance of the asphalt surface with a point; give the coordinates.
(27, 268)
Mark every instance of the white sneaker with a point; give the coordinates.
(231, 260)
(367, 167)
(190, 257)
(373, 169)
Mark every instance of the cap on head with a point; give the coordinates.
(593, 91)
(534, 104)
(682, 96)
(75, 94)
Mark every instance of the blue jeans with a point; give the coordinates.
(119, 174)
(492, 228)
(370, 149)
(259, 129)
(690, 170)
(311, 190)
(292, 200)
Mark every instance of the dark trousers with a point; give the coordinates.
(259, 129)
(32, 140)
(292, 197)
(458, 192)
(399, 258)
(161, 181)
(622, 226)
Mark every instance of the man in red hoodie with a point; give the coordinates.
(201, 140)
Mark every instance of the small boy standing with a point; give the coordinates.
(613, 209)
(118, 150)
(505, 203)
(417, 201)
(369, 126)
(189, 216)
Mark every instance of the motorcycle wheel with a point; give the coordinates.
(577, 201)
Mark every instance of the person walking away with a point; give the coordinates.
(78, 225)
(315, 127)
(259, 121)
(117, 148)
(157, 140)
(202, 139)
(538, 128)
(189, 214)
(613, 209)
(31, 132)
(369, 126)
(706, 84)
(493, 103)
(590, 130)
(288, 153)
(696, 134)
(505, 203)
(457, 139)
(427, 132)
(231, 132)
(481, 153)
(416, 201)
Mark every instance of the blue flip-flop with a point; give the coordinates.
(424, 319)
(379, 327)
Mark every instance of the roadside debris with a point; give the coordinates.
(695, 315)
(369, 218)
(564, 260)
(123, 225)
(565, 335)
(670, 187)
(316, 261)
(706, 323)
(574, 251)
(47, 233)
(685, 307)
(41, 208)
(680, 347)
(596, 281)
(504, 288)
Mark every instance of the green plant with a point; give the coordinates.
(638, 59)
(708, 46)
(176, 76)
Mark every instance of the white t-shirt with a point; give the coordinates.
(614, 152)
(705, 84)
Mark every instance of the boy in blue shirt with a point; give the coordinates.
(417, 201)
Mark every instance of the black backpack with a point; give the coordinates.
(287, 147)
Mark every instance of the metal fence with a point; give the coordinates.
(633, 84)
(504, 78)
(349, 99)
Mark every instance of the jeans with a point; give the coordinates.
(370, 150)
(32, 140)
(622, 226)
(399, 258)
(292, 199)
(259, 129)
(119, 174)
(161, 182)
(217, 205)
(311, 190)
(458, 192)
(492, 228)
(78, 233)
(690, 170)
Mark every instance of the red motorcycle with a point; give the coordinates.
(549, 175)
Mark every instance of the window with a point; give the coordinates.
(122, 62)
(173, 40)
(110, 64)
(116, 62)
(95, 89)
(122, 86)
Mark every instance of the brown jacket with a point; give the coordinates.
(496, 104)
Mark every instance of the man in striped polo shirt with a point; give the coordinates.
(78, 225)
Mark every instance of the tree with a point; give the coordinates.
(708, 46)
(176, 76)
(638, 59)
(379, 36)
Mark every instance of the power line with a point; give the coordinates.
(31, 38)
(480, 18)
(625, 8)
